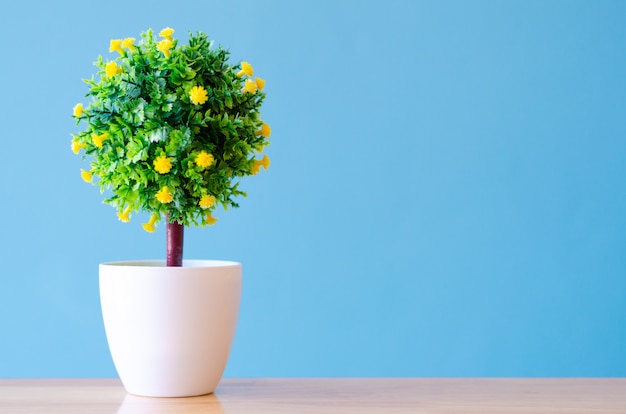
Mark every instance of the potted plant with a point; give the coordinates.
(170, 130)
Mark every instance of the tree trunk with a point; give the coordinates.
(174, 240)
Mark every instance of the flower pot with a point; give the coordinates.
(170, 329)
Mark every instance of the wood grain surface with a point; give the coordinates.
(333, 395)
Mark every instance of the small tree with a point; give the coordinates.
(170, 130)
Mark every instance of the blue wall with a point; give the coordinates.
(447, 195)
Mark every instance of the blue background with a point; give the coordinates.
(446, 195)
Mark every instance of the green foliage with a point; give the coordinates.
(169, 125)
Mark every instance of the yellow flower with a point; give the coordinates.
(98, 139)
(265, 130)
(116, 45)
(149, 226)
(78, 110)
(164, 196)
(111, 69)
(250, 86)
(164, 46)
(124, 215)
(162, 164)
(246, 69)
(167, 33)
(206, 201)
(264, 162)
(204, 159)
(210, 220)
(77, 146)
(86, 175)
(260, 83)
(198, 95)
(128, 43)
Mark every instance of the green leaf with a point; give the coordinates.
(146, 112)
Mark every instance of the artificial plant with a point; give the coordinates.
(170, 130)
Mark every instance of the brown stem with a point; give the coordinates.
(174, 240)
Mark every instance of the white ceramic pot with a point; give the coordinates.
(170, 329)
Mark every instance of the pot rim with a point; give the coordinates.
(160, 263)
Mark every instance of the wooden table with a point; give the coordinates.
(308, 396)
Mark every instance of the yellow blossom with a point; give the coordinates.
(86, 175)
(78, 110)
(210, 220)
(116, 46)
(260, 83)
(264, 162)
(98, 139)
(164, 46)
(250, 86)
(167, 33)
(149, 226)
(128, 43)
(164, 196)
(204, 159)
(207, 201)
(162, 164)
(111, 69)
(124, 215)
(265, 130)
(77, 146)
(246, 69)
(198, 95)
